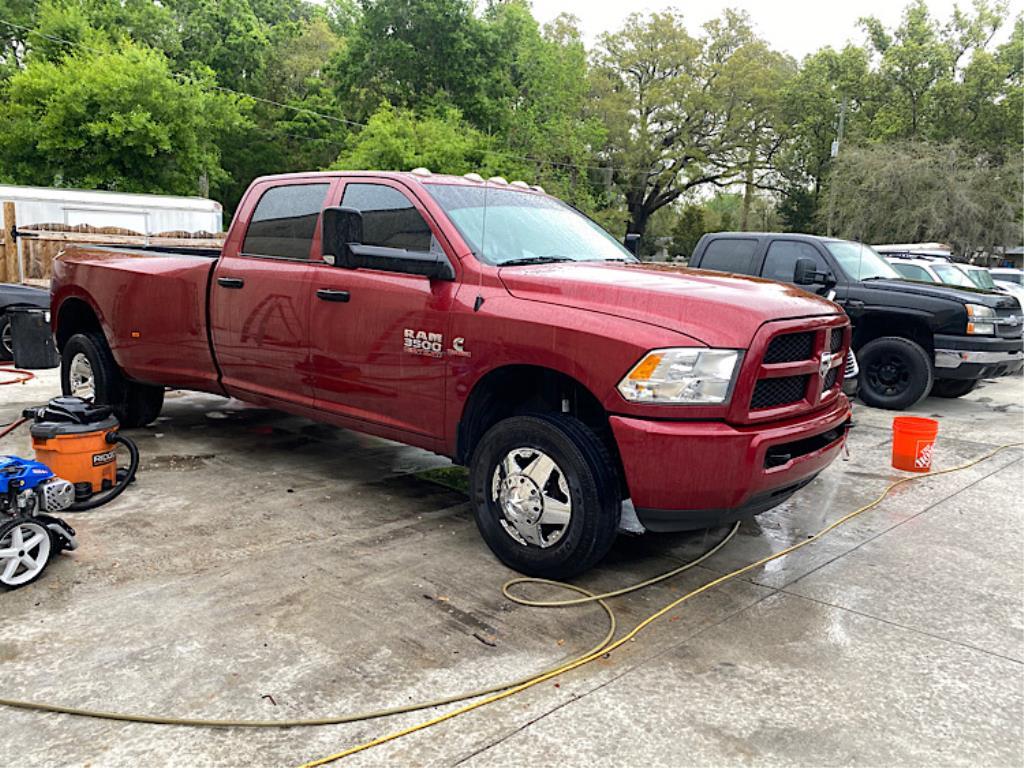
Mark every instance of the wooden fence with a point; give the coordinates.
(29, 257)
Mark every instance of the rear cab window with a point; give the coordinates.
(730, 254)
(283, 224)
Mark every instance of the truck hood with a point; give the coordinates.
(957, 294)
(715, 309)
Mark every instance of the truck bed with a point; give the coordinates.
(152, 306)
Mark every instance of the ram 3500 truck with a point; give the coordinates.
(487, 322)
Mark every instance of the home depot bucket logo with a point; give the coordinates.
(923, 460)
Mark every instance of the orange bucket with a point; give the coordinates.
(913, 440)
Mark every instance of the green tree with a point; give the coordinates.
(670, 126)
(689, 228)
(916, 191)
(114, 120)
(401, 140)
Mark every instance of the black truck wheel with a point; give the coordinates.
(953, 387)
(88, 370)
(895, 373)
(545, 495)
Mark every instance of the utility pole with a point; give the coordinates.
(834, 155)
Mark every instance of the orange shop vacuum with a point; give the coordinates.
(78, 441)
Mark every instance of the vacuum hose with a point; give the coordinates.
(102, 498)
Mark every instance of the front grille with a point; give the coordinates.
(1007, 330)
(830, 380)
(770, 393)
(836, 340)
(790, 347)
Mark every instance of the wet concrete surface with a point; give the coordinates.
(266, 567)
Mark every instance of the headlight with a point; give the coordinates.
(681, 376)
(980, 320)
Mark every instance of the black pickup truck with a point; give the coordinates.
(911, 339)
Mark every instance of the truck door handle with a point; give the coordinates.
(852, 303)
(230, 282)
(326, 294)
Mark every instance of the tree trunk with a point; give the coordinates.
(748, 193)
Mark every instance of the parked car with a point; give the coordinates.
(17, 295)
(1008, 275)
(911, 338)
(966, 275)
(536, 350)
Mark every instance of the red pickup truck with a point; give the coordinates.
(487, 322)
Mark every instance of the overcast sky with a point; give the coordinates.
(797, 27)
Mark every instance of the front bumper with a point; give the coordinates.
(686, 475)
(964, 357)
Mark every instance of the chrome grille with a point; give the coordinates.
(1009, 323)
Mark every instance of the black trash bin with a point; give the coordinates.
(31, 338)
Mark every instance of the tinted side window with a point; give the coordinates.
(729, 255)
(780, 262)
(389, 218)
(284, 221)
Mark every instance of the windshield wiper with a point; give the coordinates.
(533, 260)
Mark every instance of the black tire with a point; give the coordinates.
(895, 373)
(593, 489)
(135, 405)
(6, 339)
(142, 404)
(953, 387)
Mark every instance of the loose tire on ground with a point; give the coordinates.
(134, 404)
(6, 338)
(895, 373)
(582, 471)
(952, 387)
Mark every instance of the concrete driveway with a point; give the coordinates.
(264, 566)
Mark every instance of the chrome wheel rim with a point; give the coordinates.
(531, 492)
(80, 377)
(7, 338)
(24, 552)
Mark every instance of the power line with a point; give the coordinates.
(304, 110)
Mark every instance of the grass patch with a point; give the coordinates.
(455, 478)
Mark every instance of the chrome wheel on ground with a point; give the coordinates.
(25, 548)
(6, 339)
(81, 379)
(531, 491)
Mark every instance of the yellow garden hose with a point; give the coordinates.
(510, 688)
(579, 662)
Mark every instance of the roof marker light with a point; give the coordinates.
(520, 184)
(498, 180)
(473, 176)
(421, 171)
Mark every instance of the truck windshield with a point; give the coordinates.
(524, 227)
(952, 275)
(982, 279)
(860, 262)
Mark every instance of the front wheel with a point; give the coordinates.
(895, 373)
(6, 338)
(545, 495)
(952, 387)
